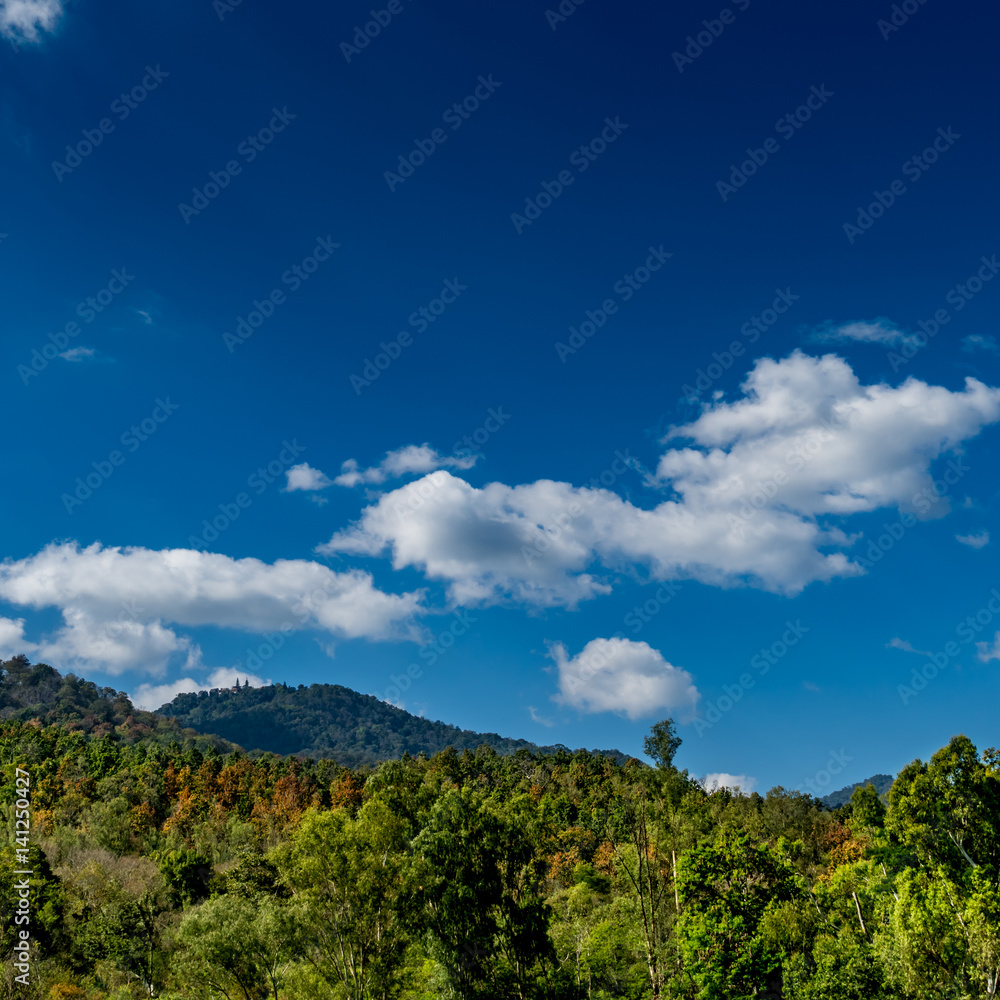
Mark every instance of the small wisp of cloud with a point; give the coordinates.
(78, 353)
(877, 331)
(410, 460)
(975, 540)
(980, 342)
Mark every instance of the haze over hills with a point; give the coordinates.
(328, 720)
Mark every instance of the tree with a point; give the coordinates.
(726, 892)
(946, 920)
(477, 898)
(662, 744)
(237, 947)
(347, 876)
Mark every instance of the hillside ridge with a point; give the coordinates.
(330, 720)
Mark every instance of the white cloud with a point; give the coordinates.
(976, 540)
(986, 651)
(734, 782)
(22, 20)
(906, 647)
(119, 604)
(759, 496)
(305, 477)
(12, 640)
(151, 697)
(623, 676)
(540, 719)
(980, 342)
(878, 331)
(78, 353)
(413, 459)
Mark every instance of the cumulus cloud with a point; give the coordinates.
(153, 696)
(623, 676)
(413, 459)
(23, 20)
(78, 353)
(305, 477)
(877, 331)
(734, 782)
(975, 540)
(980, 342)
(759, 495)
(12, 640)
(120, 605)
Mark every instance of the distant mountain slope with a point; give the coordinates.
(39, 692)
(882, 783)
(327, 720)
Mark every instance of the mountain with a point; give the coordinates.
(39, 693)
(327, 720)
(882, 783)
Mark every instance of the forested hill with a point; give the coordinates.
(330, 721)
(39, 693)
(881, 782)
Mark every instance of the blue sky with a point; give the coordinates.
(546, 370)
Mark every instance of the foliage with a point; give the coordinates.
(169, 867)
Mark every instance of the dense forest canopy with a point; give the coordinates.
(327, 720)
(165, 869)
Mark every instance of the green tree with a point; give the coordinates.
(726, 892)
(347, 876)
(477, 896)
(237, 947)
(662, 743)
